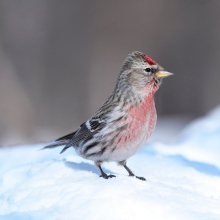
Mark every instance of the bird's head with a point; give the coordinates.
(141, 74)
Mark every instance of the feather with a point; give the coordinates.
(67, 137)
(55, 144)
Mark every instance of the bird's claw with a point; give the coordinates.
(141, 178)
(107, 176)
(138, 177)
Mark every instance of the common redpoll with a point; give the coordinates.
(125, 121)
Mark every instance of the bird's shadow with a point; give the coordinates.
(84, 167)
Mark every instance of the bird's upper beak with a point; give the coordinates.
(161, 73)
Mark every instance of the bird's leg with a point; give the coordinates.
(103, 174)
(129, 171)
(123, 163)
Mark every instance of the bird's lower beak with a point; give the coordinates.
(162, 74)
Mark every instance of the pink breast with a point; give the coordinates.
(142, 120)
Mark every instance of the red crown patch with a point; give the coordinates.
(149, 60)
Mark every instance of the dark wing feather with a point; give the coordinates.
(84, 133)
(96, 123)
(67, 137)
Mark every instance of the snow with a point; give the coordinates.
(200, 141)
(183, 181)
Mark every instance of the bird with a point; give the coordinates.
(126, 120)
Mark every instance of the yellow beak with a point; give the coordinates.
(163, 74)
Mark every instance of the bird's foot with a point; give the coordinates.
(105, 176)
(138, 177)
(131, 173)
(141, 178)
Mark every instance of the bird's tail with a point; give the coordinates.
(61, 141)
(55, 144)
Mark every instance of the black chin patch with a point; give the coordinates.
(158, 81)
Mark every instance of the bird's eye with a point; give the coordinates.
(148, 70)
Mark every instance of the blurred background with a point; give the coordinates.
(59, 61)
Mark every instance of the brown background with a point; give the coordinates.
(59, 60)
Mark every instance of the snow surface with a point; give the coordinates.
(200, 141)
(183, 181)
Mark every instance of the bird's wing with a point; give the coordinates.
(95, 124)
(85, 132)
